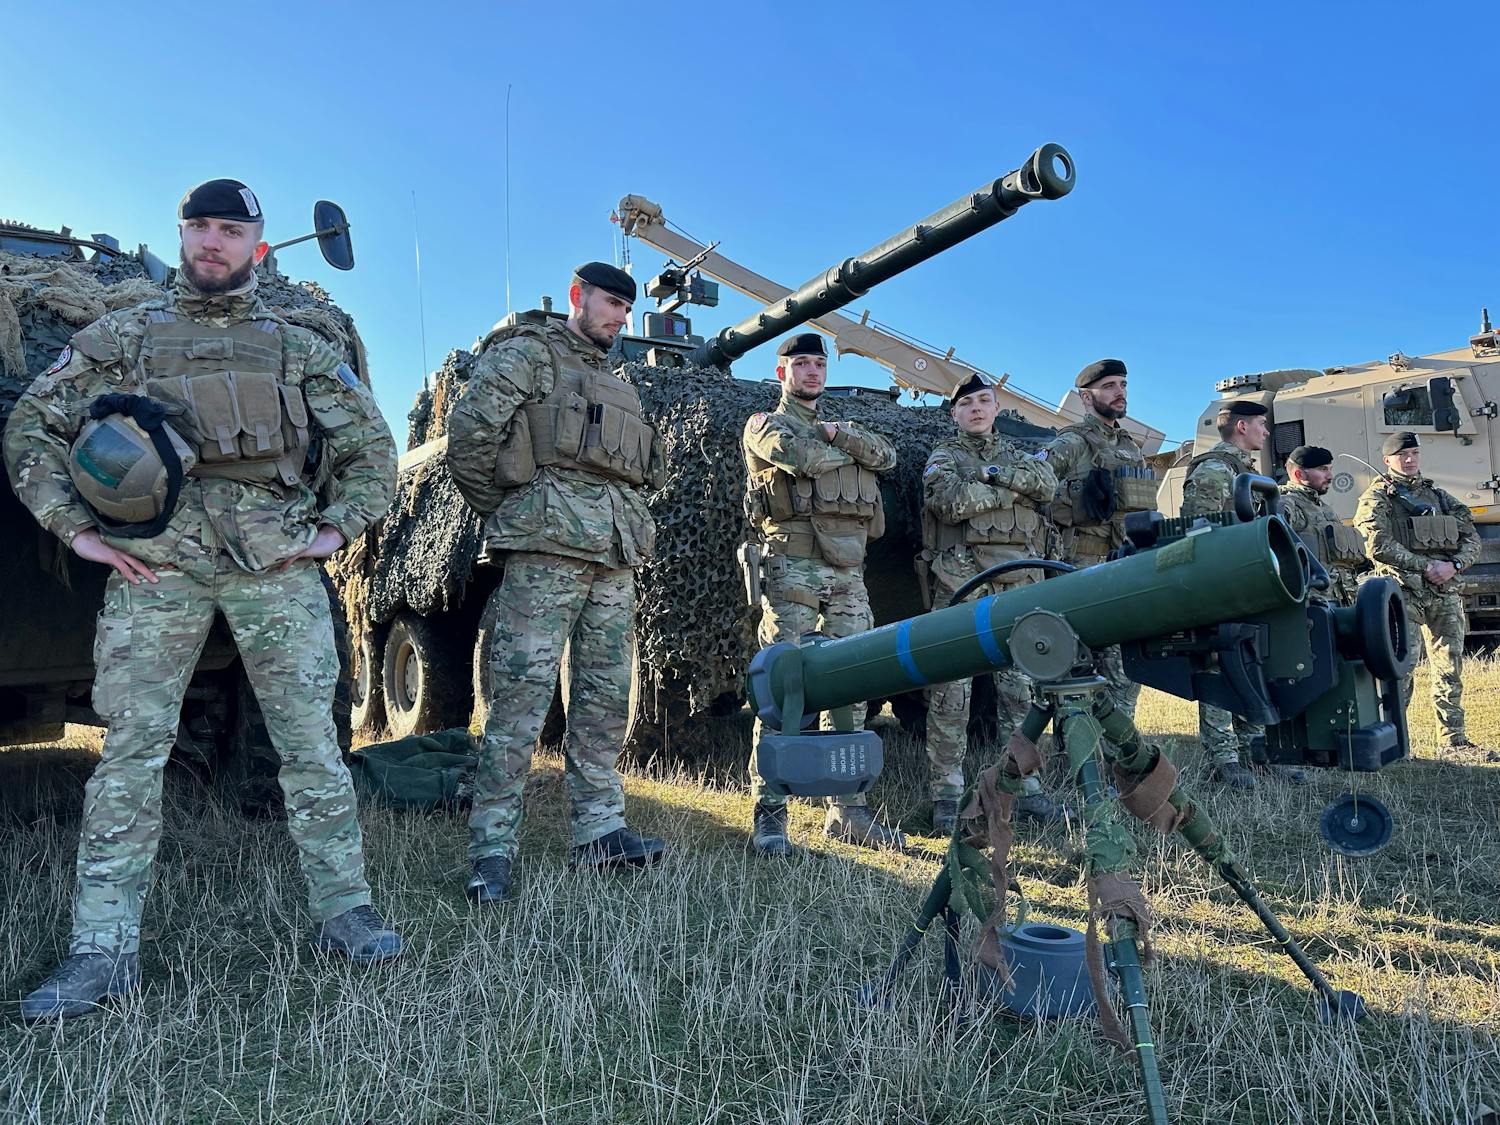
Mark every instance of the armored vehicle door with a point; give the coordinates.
(1449, 405)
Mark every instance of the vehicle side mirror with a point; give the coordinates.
(333, 234)
(1445, 415)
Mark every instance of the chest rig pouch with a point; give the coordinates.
(1335, 543)
(843, 507)
(225, 388)
(591, 420)
(1131, 481)
(1429, 535)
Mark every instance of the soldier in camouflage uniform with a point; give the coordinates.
(1423, 536)
(1099, 470)
(550, 446)
(983, 504)
(1209, 487)
(814, 499)
(243, 538)
(1338, 546)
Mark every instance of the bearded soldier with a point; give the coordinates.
(1339, 547)
(170, 442)
(551, 448)
(1101, 477)
(1208, 488)
(982, 504)
(814, 499)
(1423, 536)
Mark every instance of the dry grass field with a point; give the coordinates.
(716, 988)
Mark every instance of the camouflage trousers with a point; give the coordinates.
(1438, 619)
(557, 614)
(948, 714)
(805, 596)
(1123, 691)
(147, 645)
(1224, 736)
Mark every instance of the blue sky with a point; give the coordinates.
(1259, 186)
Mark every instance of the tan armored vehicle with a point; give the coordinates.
(1451, 399)
(52, 283)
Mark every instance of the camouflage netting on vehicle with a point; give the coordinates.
(695, 635)
(45, 299)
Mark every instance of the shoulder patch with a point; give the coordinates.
(347, 376)
(931, 468)
(62, 360)
(1041, 454)
(758, 421)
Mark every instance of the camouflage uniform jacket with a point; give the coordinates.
(1307, 515)
(260, 525)
(1072, 458)
(1379, 518)
(791, 438)
(563, 511)
(1209, 486)
(956, 490)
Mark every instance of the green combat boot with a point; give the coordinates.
(1232, 775)
(853, 824)
(768, 830)
(944, 816)
(81, 983)
(360, 934)
(491, 880)
(621, 848)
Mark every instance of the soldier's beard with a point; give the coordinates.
(235, 279)
(1109, 413)
(591, 331)
(807, 396)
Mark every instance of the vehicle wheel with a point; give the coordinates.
(366, 699)
(421, 678)
(910, 709)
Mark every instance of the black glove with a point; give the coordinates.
(1097, 496)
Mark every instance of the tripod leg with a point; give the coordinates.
(1125, 961)
(873, 993)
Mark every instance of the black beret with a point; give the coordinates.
(1310, 457)
(804, 343)
(1401, 439)
(975, 382)
(1099, 369)
(1242, 408)
(221, 199)
(608, 278)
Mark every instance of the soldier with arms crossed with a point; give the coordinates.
(551, 448)
(1423, 536)
(169, 441)
(982, 503)
(814, 499)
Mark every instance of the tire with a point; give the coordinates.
(421, 678)
(555, 724)
(366, 697)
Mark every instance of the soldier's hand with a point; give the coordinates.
(830, 429)
(88, 545)
(1439, 572)
(328, 540)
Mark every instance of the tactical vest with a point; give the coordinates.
(1020, 525)
(832, 516)
(1334, 543)
(1428, 535)
(229, 399)
(1134, 482)
(591, 420)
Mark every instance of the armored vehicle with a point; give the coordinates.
(52, 283)
(1449, 399)
(418, 595)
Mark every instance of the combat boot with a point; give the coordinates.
(768, 830)
(1232, 775)
(360, 934)
(944, 816)
(81, 983)
(1038, 807)
(853, 824)
(621, 848)
(491, 880)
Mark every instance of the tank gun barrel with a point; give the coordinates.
(1048, 173)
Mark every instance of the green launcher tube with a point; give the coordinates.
(1215, 575)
